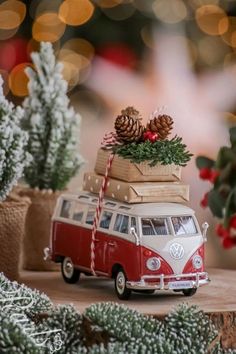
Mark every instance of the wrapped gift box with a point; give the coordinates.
(126, 170)
(138, 192)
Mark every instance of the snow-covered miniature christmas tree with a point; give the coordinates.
(50, 123)
(13, 141)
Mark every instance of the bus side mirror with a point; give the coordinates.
(205, 226)
(133, 232)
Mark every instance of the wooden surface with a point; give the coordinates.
(218, 297)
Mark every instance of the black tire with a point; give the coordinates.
(189, 292)
(122, 292)
(69, 273)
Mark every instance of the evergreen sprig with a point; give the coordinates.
(162, 152)
(185, 330)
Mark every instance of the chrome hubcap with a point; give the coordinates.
(68, 267)
(120, 283)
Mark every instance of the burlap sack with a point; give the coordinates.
(37, 229)
(12, 221)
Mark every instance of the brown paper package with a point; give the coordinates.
(125, 170)
(144, 192)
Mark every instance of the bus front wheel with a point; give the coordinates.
(122, 292)
(69, 273)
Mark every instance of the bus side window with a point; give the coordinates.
(66, 209)
(133, 223)
(121, 224)
(90, 215)
(105, 220)
(78, 212)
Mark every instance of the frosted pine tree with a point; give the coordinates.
(51, 124)
(13, 141)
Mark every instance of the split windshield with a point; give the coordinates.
(182, 225)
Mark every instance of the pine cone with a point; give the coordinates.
(128, 129)
(162, 125)
(131, 112)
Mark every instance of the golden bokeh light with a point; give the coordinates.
(34, 46)
(7, 34)
(229, 36)
(70, 73)
(120, 12)
(212, 19)
(212, 50)
(75, 12)
(109, 3)
(172, 11)
(4, 75)
(18, 80)
(197, 3)
(12, 14)
(80, 46)
(48, 27)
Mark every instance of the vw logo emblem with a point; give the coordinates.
(176, 250)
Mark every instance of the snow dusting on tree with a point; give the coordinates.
(13, 141)
(50, 123)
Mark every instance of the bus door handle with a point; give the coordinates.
(111, 244)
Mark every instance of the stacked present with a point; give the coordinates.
(140, 164)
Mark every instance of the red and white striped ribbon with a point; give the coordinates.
(98, 211)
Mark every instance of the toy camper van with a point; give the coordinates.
(143, 247)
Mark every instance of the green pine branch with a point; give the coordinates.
(162, 152)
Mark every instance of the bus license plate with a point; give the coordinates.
(175, 285)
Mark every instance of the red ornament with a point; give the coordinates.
(232, 222)
(205, 173)
(229, 242)
(214, 175)
(221, 231)
(151, 136)
(204, 201)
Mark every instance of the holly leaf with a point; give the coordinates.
(204, 162)
(225, 156)
(216, 203)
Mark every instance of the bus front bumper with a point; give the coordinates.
(170, 282)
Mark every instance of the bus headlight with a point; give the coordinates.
(153, 263)
(197, 262)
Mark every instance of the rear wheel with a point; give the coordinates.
(122, 291)
(189, 292)
(69, 273)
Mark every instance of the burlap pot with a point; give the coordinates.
(12, 222)
(37, 229)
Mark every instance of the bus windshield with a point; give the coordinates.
(184, 225)
(155, 227)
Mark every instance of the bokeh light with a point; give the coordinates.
(12, 14)
(172, 11)
(48, 27)
(7, 34)
(109, 3)
(120, 12)
(76, 12)
(18, 80)
(212, 50)
(229, 36)
(212, 19)
(80, 46)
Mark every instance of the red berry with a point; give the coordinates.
(151, 136)
(204, 201)
(214, 175)
(228, 242)
(220, 230)
(205, 173)
(232, 222)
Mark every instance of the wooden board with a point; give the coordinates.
(217, 299)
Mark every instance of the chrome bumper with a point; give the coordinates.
(162, 282)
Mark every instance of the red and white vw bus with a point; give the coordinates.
(144, 247)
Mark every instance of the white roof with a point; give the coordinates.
(139, 209)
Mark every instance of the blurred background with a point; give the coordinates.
(174, 54)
